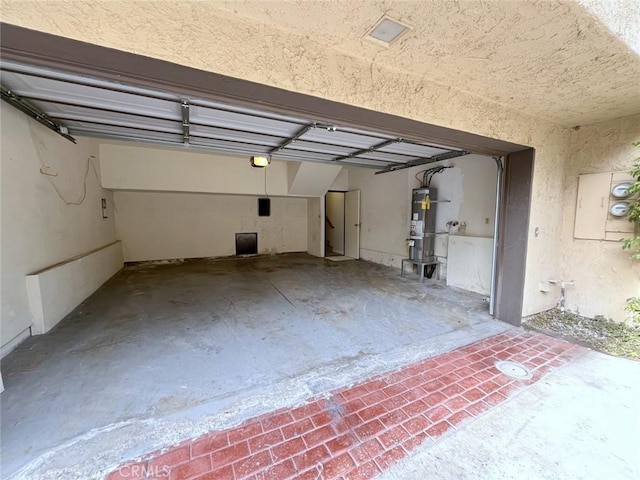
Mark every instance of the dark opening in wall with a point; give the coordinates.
(264, 207)
(246, 243)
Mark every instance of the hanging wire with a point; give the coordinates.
(84, 183)
(265, 181)
(428, 174)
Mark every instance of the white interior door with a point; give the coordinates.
(352, 224)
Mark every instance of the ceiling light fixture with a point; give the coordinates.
(386, 31)
(260, 161)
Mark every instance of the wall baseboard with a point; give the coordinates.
(8, 347)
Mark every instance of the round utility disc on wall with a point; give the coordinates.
(619, 209)
(621, 190)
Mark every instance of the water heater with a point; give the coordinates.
(423, 225)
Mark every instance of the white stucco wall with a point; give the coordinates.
(466, 255)
(469, 263)
(135, 166)
(38, 229)
(470, 187)
(156, 226)
(604, 275)
(311, 179)
(341, 183)
(139, 167)
(384, 214)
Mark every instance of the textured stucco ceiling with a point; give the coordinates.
(547, 59)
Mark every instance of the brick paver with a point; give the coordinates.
(359, 431)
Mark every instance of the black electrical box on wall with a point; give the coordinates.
(264, 207)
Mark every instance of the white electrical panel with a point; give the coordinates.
(600, 209)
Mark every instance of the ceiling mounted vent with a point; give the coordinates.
(386, 31)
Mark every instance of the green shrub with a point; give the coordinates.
(633, 215)
(633, 307)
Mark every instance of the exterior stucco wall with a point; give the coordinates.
(241, 48)
(603, 273)
(539, 56)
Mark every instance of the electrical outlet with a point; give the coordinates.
(486, 220)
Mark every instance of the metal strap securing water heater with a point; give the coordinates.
(496, 228)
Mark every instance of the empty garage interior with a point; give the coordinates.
(156, 177)
(201, 232)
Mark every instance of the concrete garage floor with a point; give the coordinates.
(165, 352)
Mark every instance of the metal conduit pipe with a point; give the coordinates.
(496, 223)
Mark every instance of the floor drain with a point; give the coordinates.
(513, 369)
